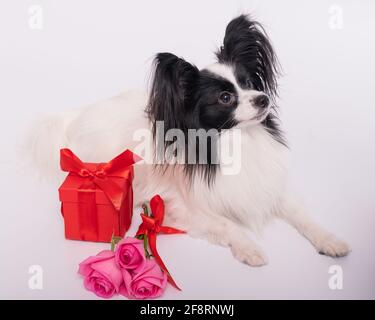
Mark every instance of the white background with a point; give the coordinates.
(89, 50)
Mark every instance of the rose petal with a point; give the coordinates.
(96, 283)
(109, 270)
(127, 279)
(85, 266)
(149, 283)
(130, 254)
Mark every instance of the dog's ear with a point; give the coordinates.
(172, 86)
(247, 47)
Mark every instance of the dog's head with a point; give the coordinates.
(238, 90)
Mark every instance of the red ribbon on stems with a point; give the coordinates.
(151, 226)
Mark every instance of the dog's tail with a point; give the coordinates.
(44, 140)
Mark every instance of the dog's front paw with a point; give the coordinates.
(330, 245)
(254, 257)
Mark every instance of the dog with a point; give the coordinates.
(237, 93)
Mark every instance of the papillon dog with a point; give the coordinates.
(236, 94)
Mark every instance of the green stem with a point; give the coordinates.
(145, 209)
(145, 244)
(114, 241)
(140, 237)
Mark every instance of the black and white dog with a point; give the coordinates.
(235, 94)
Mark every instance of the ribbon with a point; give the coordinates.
(87, 218)
(151, 226)
(100, 176)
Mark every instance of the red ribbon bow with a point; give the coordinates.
(151, 226)
(117, 167)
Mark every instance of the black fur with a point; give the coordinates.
(173, 85)
(247, 48)
(211, 113)
(174, 99)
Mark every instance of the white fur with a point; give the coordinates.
(221, 213)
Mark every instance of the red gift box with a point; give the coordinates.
(97, 198)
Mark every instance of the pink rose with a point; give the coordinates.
(130, 254)
(149, 283)
(101, 274)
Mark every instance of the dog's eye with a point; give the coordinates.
(226, 98)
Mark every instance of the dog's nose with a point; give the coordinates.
(261, 101)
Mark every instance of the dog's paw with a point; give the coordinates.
(254, 257)
(332, 246)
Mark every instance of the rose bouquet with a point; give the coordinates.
(129, 269)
